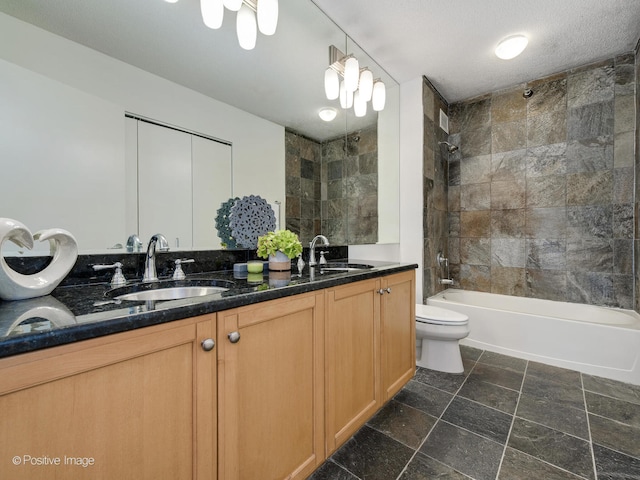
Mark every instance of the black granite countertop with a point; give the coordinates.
(74, 313)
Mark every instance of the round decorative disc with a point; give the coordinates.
(250, 218)
(222, 223)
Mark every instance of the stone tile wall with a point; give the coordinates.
(435, 172)
(303, 158)
(541, 191)
(332, 187)
(637, 183)
(350, 200)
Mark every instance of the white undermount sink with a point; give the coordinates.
(171, 293)
(168, 290)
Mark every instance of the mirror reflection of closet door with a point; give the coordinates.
(211, 164)
(164, 184)
(176, 182)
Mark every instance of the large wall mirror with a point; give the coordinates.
(73, 69)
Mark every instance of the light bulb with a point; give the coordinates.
(359, 104)
(327, 114)
(379, 97)
(247, 28)
(331, 84)
(346, 97)
(511, 47)
(212, 13)
(267, 11)
(366, 84)
(351, 74)
(233, 5)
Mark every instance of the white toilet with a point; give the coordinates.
(437, 333)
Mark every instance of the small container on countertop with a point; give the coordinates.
(255, 266)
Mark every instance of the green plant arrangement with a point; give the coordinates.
(284, 241)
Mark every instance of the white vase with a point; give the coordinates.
(279, 262)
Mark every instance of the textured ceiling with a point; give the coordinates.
(451, 42)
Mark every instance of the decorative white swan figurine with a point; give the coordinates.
(63, 248)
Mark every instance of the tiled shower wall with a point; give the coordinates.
(541, 191)
(332, 187)
(637, 184)
(435, 171)
(303, 167)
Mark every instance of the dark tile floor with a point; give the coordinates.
(504, 418)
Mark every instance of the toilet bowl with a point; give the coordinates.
(437, 333)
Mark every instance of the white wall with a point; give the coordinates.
(410, 248)
(258, 145)
(388, 171)
(411, 177)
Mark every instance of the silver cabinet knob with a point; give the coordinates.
(381, 291)
(208, 344)
(234, 337)
(388, 289)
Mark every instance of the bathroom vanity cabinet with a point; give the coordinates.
(287, 382)
(135, 405)
(271, 389)
(370, 350)
(397, 331)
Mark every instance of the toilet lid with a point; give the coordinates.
(439, 316)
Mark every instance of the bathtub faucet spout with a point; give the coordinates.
(445, 281)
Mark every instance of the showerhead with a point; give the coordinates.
(451, 148)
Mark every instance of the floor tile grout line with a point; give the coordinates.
(611, 397)
(471, 431)
(616, 450)
(487, 406)
(513, 421)
(440, 389)
(343, 467)
(554, 429)
(436, 423)
(617, 422)
(551, 464)
(586, 412)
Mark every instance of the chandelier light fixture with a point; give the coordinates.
(357, 86)
(252, 16)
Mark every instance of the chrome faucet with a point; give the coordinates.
(312, 247)
(157, 242)
(133, 243)
(443, 263)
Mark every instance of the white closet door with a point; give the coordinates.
(164, 184)
(131, 177)
(211, 162)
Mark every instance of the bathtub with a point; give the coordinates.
(595, 340)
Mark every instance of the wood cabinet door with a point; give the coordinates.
(352, 340)
(132, 405)
(398, 332)
(271, 389)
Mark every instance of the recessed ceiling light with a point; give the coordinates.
(327, 114)
(511, 47)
